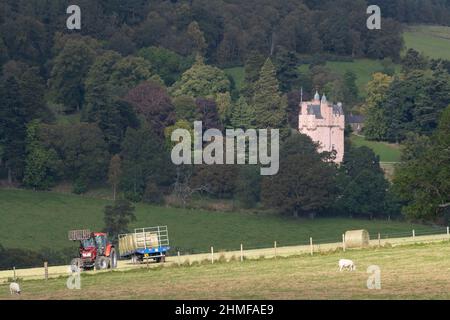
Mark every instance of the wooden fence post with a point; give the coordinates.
(414, 234)
(46, 270)
(14, 273)
(242, 252)
(179, 262)
(448, 231)
(343, 241)
(275, 247)
(212, 254)
(379, 239)
(311, 245)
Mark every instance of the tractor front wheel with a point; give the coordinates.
(101, 263)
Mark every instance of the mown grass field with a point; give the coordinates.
(33, 220)
(433, 41)
(387, 152)
(407, 272)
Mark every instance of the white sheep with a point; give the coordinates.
(14, 288)
(346, 264)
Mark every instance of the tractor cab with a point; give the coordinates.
(95, 250)
(96, 242)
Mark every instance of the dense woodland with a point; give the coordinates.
(96, 107)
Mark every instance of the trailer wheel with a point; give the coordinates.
(113, 259)
(101, 263)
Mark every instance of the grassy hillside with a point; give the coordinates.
(433, 41)
(409, 272)
(41, 219)
(363, 69)
(387, 152)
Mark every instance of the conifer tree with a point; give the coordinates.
(270, 106)
(287, 71)
(252, 68)
(243, 115)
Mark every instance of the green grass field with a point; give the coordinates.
(433, 41)
(34, 220)
(387, 152)
(406, 272)
(362, 68)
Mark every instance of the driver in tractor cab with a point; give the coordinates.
(101, 244)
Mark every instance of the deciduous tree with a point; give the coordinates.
(117, 217)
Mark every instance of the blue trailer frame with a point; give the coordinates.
(141, 250)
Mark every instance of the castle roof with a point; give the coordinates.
(314, 109)
(354, 118)
(337, 109)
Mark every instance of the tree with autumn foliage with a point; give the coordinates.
(152, 101)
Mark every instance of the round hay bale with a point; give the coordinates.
(357, 239)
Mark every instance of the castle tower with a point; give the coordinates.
(324, 122)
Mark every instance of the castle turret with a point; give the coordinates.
(317, 96)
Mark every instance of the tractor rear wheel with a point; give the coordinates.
(113, 259)
(101, 263)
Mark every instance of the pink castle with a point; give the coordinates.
(324, 122)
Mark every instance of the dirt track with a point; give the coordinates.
(57, 271)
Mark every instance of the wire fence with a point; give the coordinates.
(328, 240)
(242, 251)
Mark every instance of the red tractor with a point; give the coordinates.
(95, 250)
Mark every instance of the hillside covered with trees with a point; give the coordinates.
(96, 107)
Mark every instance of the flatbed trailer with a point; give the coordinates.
(144, 244)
